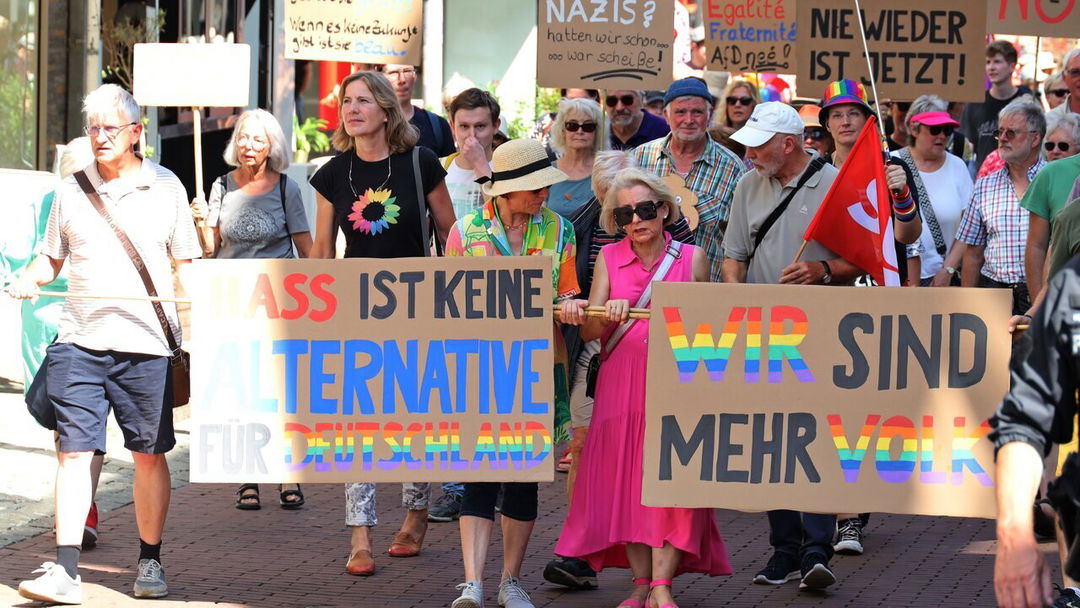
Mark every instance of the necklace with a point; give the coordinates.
(516, 227)
(389, 172)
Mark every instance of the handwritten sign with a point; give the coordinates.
(171, 74)
(923, 46)
(614, 44)
(751, 35)
(824, 399)
(1049, 18)
(372, 370)
(357, 31)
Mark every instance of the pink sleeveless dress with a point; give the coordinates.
(606, 512)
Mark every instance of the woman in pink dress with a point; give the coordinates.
(607, 525)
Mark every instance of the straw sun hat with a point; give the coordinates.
(520, 164)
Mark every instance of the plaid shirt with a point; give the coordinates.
(996, 220)
(712, 177)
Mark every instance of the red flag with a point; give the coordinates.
(855, 219)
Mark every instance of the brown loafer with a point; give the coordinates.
(361, 563)
(406, 545)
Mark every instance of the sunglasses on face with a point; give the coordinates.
(936, 130)
(646, 210)
(573, 126)
(1060, 145)
(742, 101)
(627, 100)
(1058, 92)
(1008, 133)
(814, 134)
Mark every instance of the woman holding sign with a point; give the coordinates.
(515, 221)
(380, 191)
(607, 525)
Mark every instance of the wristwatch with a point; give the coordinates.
(950, 270)
(827, 277)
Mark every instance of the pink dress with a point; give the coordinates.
(606, 512)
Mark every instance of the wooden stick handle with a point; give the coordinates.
(92, 296)
(600, 311)
(798, 254)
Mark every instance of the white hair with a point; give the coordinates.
(109, 98)
(582, 106)
(1069, 121)
(924, 103)
(1073, 54)
(278, 159)
(606, 167)
(1032, 113)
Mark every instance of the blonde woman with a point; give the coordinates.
(576, 137)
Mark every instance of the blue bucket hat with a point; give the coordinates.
(688, 87)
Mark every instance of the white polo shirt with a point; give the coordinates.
(152, 209)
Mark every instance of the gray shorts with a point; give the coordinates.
(581, 404)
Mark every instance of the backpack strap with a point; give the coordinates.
(421, 202)
(815, 166)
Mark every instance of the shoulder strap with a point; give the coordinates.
(133, 254)
(421, 201)
(925, 206)
(674, 252)
(437, 128)
(815, 166)
(284, 209)
(449, 160)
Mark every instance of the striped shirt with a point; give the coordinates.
(996, 220)
(152, 208)
(712, 177)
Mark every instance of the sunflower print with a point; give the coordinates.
(374, 211)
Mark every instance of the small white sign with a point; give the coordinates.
(192, 75)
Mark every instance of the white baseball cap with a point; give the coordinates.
(768, 119)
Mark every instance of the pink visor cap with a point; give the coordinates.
(932, 119)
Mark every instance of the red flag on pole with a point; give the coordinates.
(855, 219)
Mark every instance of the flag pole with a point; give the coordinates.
(802, 248)
(870, 69)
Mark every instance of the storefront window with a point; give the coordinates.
(18, 84)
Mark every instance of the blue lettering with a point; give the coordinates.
(319, 349)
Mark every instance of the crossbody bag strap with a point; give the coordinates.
(133, 255)
(674, 252)
(925, 206)
(421, 201)
(815, 166)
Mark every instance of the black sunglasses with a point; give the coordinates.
(1061, 145)
(646, 210)
(627, 100)
(936, 130)
(814, 134)
(572, 126)
(1058, 92)
(743, 101)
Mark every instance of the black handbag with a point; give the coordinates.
(37, 397)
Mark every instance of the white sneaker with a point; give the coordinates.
(150, 582)
(511, 595)
(472, 595)
(54, 585)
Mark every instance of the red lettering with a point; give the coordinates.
(318, 291)
(263, 295)
(292, 283)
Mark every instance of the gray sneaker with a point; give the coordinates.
(511, 595)
(54, 585)
(447, 508)
(472, 595)
(151, 580)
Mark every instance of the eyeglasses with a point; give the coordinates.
(742, 101)
(1008, 133)
(1073, 73)
(936, 130)
(573, 126)
(1058, 92)
(627, 100)
(251, 142)
(110, 130)
(814, 134)
(1061, 145)
(646, 210)
(403, 72)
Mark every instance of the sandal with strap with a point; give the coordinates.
(631, 602)
(290, 499)
(247, 497)
(661, 583)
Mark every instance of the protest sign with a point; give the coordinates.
(357, 31)
(921, 47)
(1049, 18)
(191, 75)
(824, 399)
(613, 44)
(418, 369)
(750, 35)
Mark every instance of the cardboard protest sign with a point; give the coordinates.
(419, 369)
(612, 44)
(751, 36)
(1049, 18)
(191, 75)
(917, 47)
(357, 31)
(824, 399)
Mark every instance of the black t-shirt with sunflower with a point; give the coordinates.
(378, 211)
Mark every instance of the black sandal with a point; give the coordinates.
(285, 496)
(247, 497)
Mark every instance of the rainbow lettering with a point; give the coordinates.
(961, 451)
(851, 460)
(752, 362)
(899, 470)
(927, 474)
(786, 345)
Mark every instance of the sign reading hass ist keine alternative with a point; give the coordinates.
(612, 44)
(419, 369)
(751, 35)
(357, 31)
(824, 399)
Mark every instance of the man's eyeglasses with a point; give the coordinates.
(573, 126)
(1073, 73)
(1061, 145)
(1058, 92)
(814, 134)
(627, 100)
(111, 131)
(403, 72)
(1008, 133)
(742, 101)
(936, 130)
(251, 142)
(646, 210)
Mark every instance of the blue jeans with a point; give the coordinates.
(800, 534)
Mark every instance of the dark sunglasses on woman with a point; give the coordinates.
(1059, 93)
(627, 100)
(936, 130)
(1061, 145)
(742, 101)
(646, 210)
(814, 134)
(572, 126)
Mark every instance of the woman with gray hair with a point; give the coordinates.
(944, 189)
(1062, 136)
(607, 525)
(1054, 90)
(256, 211)
(576, 137)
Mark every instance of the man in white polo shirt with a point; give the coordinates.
(111, 354)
